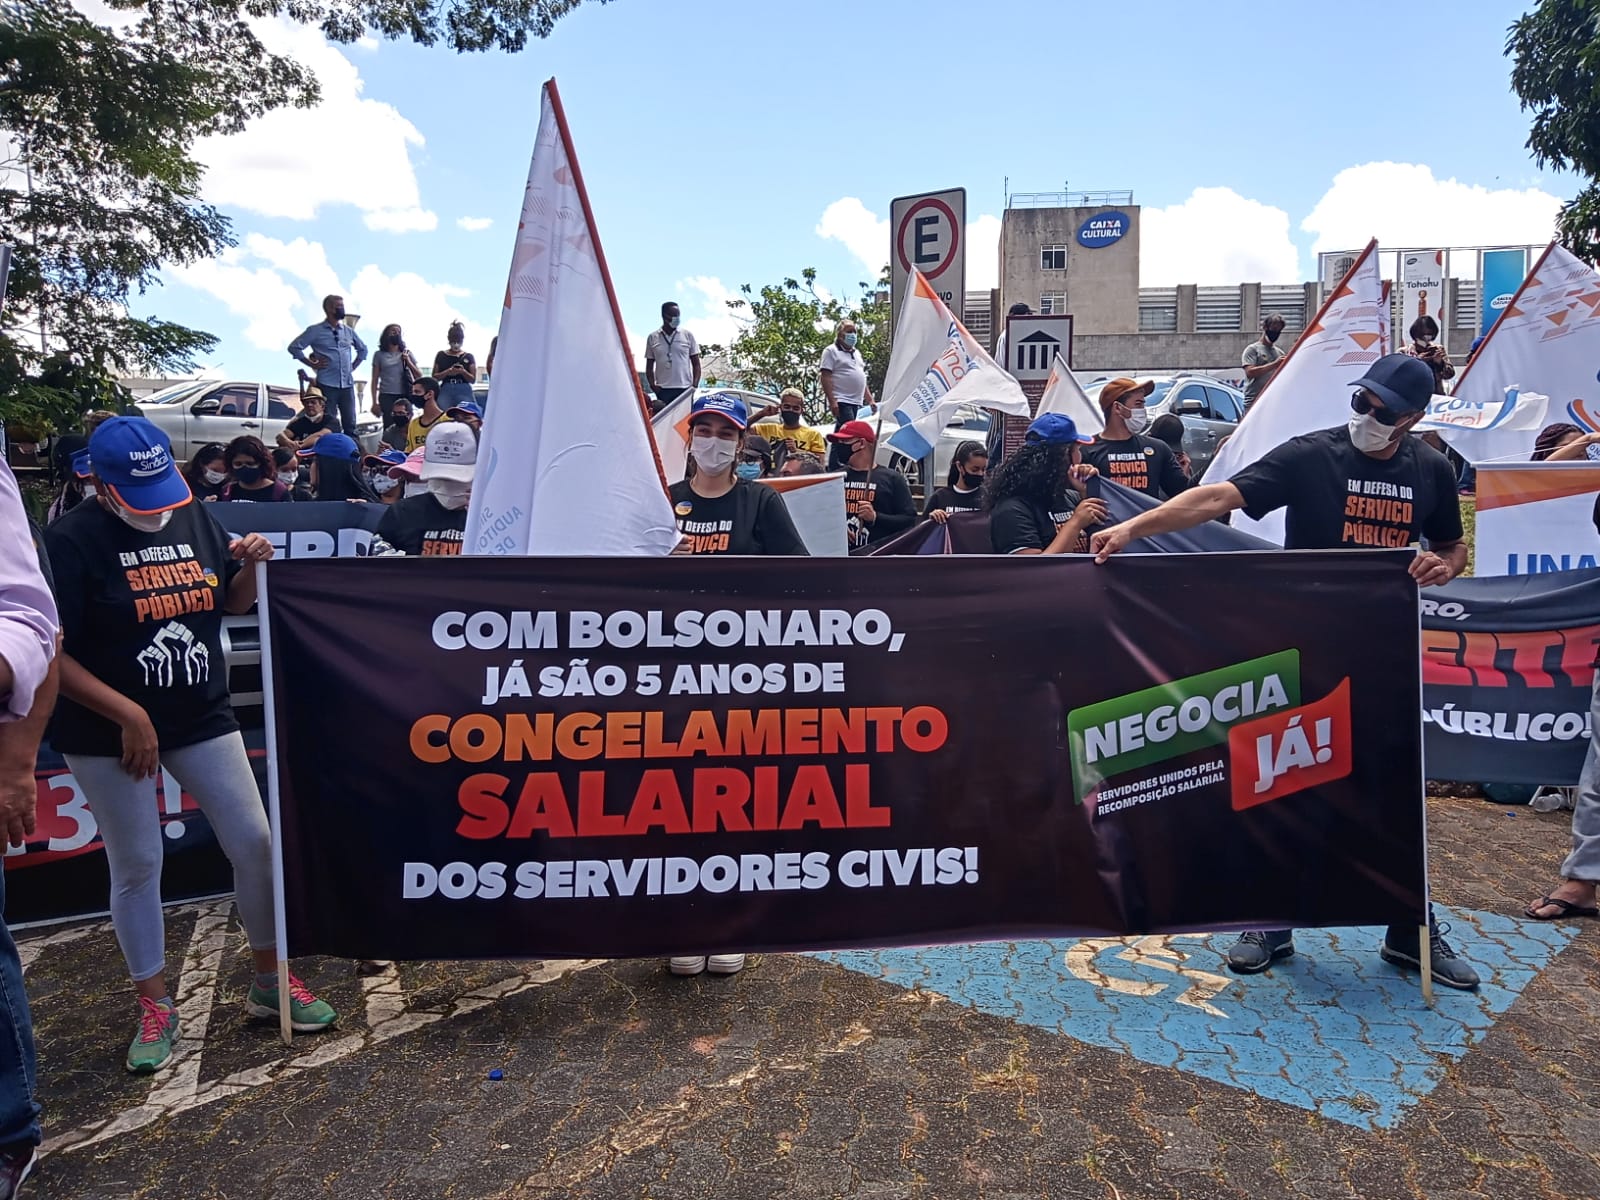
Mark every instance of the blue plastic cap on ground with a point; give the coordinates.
(497, 1074)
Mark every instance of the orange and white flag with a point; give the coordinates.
(1312, 389)
(566, 461)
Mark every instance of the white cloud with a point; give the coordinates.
(983, 253)
(474, 224)
(1402, 204)
(347, 150)
(271, 306)
(704, 305)
(1216, 236)
(306, 261)
(863, 233)
(423, 310)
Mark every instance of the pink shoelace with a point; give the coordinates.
(153, 1019)
(300, 991)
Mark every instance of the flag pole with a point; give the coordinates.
(280, 921)
(605, 271)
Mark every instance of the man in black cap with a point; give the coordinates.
(1362, 484)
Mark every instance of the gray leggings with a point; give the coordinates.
(217, 774)
(1584, 861)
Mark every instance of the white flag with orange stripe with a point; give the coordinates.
(1312, 389)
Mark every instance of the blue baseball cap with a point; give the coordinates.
(82, 466)
(334, 445)
(723, 404)
(470, 407)
(133, 458)
(384, 460)
(1056, 429)
(1405, 383)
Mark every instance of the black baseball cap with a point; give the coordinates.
(1405, 384)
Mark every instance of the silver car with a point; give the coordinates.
(1210, 411)
(968, 423)
(199, 412)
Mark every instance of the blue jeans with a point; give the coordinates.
(342, 400)
(453, 392)
(19, 1111)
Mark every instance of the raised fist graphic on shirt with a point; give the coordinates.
(172, 644)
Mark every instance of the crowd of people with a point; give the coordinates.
(117, 604)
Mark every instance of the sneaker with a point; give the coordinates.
(687, 964)
(1256, 950)
(15, 1169)
(152, 1045)
(1448, 968)
(725, 964)
(307, 1014)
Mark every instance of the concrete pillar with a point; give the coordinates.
(1249, 307)
(1186, 307)
(1313, 300)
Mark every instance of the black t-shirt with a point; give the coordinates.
(1337, 496)
(420, 525)
(1017, 523)
(1144, 464)
(890, 497)
(303, 426)
(750, 519)
(954, 500)
(275, 493)
(398, 435)
(142, 612)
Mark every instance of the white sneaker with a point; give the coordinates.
(725, 964)
(689, 964)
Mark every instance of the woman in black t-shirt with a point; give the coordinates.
(717, 511)
(1035, 498)
(254, 473)
(207, 472)
(963, 490)
(143, 576)
(455, 369)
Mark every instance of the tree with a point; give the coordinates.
(789, 325)
(98, 189)
(1555, 52)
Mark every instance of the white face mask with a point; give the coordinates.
(450, 493)
(416, 489)
(214, 477)
(288, 478)
(143, 522)
(1368, 435)
(713, 455)
(1138, 419)
(382, 484)
(89, 489)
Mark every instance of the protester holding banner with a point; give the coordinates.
(144, 576)
(1367, 484)
(424, 393)
(1563, 443)
(434, 522)
(963, 489)
(254, 473)
(720, 511)
(1122, 454)
(1034, 506)
(877, 500)
(207, 472)
(335, 465)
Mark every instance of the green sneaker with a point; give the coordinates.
(307, 1014)
(152, 1045)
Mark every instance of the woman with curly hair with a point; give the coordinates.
(1035, 499)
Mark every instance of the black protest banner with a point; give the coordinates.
(318, 529)
(630, 757)
(1507, 670)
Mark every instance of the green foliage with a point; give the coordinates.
(790, 324)
(1555, 52)
(98, 188)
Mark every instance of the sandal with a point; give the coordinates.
(1567, 907)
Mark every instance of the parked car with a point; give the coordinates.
(208, 410)
(1210, 411)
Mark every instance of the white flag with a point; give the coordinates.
(936, 366)
(1065, 395)
(566, 463)
(670, 427)
(1311, 390)
(1546, 341)
(1516, 411)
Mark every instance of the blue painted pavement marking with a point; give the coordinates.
(1334, 1029)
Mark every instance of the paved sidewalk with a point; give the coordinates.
(1091, 1069)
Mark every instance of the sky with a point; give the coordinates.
(726, 142)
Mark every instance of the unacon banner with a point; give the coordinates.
(1535, 518)
(603, 758)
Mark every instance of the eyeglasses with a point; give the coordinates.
(1361, 403)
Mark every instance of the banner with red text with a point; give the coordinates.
(607, 758)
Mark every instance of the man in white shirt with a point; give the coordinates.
(671, 359)
(844, 381)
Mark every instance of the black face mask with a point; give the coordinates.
(247, 474)
(791, 420)
(338, 313)
(971, 481)
(1271, 334)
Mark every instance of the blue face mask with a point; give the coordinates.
(850, 340)
(748, 470)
